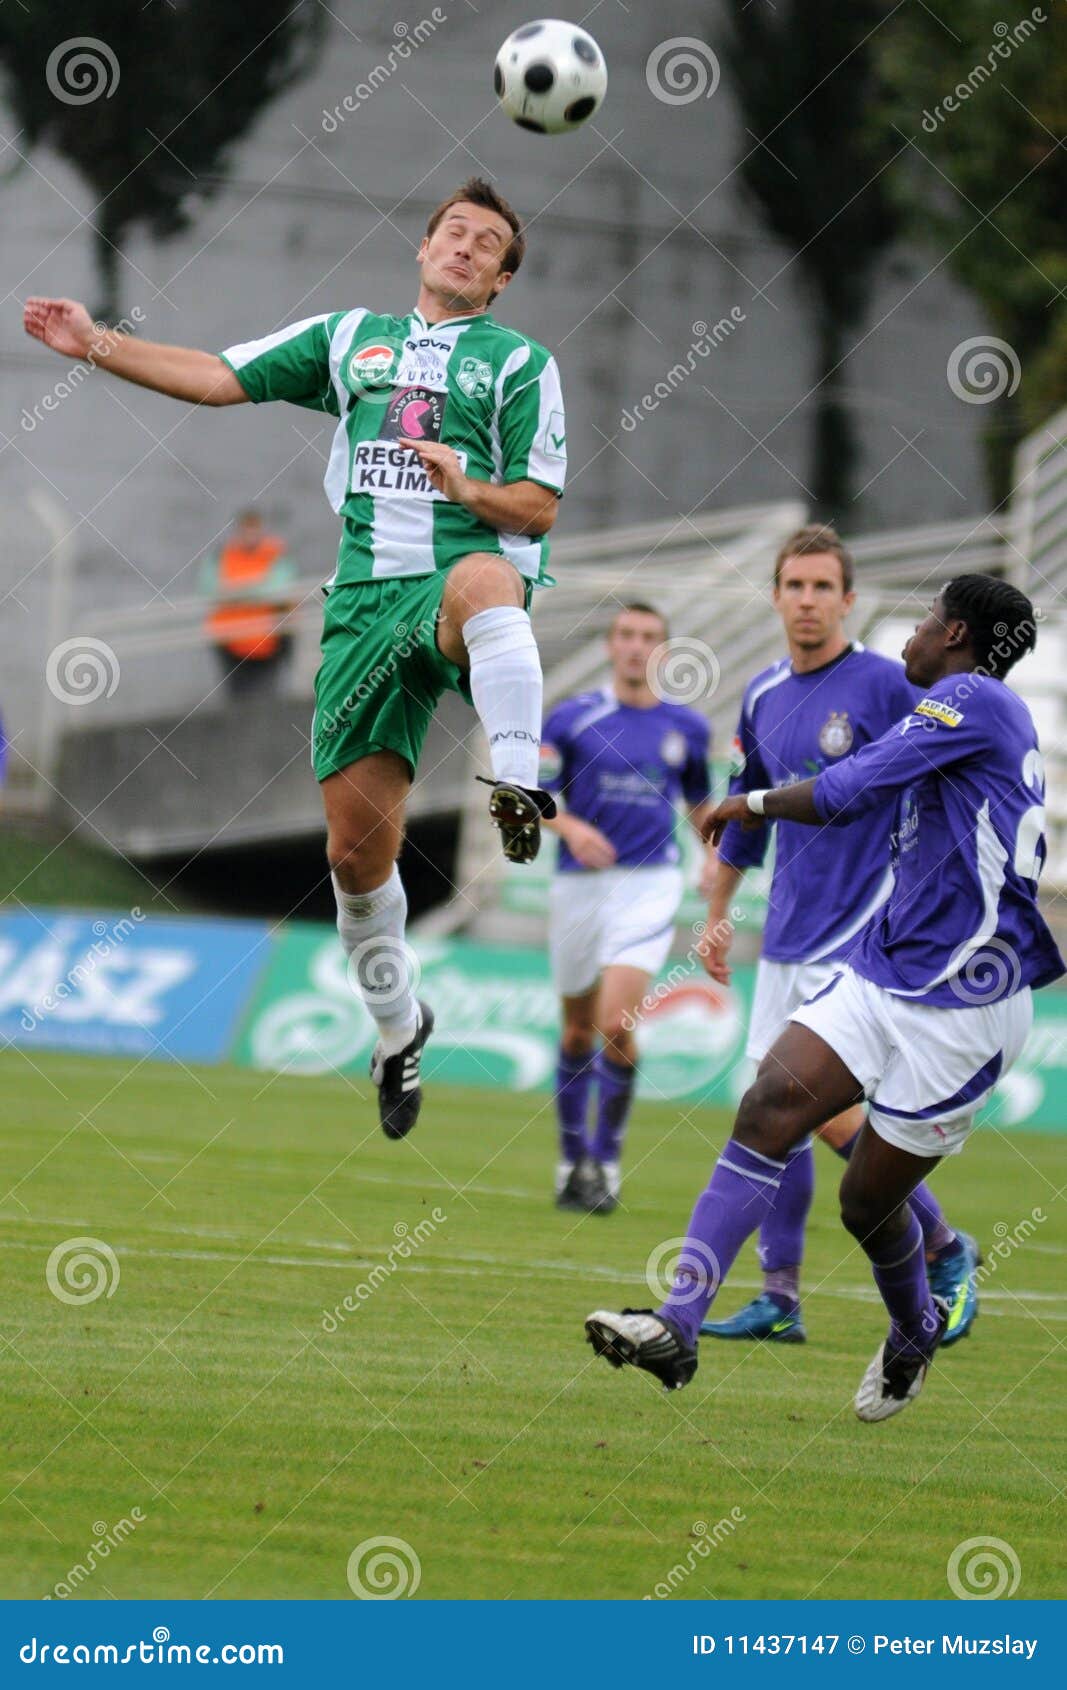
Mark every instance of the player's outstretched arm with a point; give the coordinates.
(182, 372)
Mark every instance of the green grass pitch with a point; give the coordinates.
(261, 1437)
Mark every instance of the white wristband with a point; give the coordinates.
(755, 801)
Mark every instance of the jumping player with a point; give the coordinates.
(446, 469)
(621, 758)
(805, 713)
(930, 1010)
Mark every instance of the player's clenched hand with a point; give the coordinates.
(730, 810)
(62, 324)
(587, 845)
(442, 466)
(713, 949)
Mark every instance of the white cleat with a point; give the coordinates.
(884, 1391)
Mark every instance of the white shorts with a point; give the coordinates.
(600, 917)
(781, 988)
(927, 1071)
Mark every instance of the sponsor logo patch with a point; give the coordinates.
(550, 763)
(940, 712)
(554, 436)
(737, 757)
(835, 735)
(416, 413)
(370, 366)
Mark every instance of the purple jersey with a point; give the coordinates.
(792, 727)
(623, 769)
(962, 924)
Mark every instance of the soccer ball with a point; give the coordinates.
(550, 76)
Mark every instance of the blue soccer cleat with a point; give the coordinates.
(953, 1277)
(762, 1318)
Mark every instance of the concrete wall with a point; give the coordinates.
(638, 231)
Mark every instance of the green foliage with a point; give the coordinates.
(192, 79)
(985, 184)
(814, 162)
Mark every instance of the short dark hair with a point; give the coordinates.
(643, 609)
(816, 537)
(477, 191)
(1000, 619)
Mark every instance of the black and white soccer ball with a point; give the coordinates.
(550, 76)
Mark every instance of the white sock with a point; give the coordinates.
(506, 688)
(371, 925)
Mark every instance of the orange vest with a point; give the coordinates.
(246, 630)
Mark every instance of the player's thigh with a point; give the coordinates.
(801, 1084)
(364, 804)
(623, 991)
(480, 581)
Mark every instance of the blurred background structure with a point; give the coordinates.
(809, 259)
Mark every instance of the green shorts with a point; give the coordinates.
(381, 673)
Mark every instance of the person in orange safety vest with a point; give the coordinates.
(248, 580)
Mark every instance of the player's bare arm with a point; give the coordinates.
(713, 947)
(181, 372)
(519, 507)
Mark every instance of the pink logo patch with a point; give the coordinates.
(413, 418)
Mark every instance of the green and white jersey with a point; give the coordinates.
(483, 389)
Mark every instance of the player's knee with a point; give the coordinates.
(578, 1039)
(478, 582)
(358, 858)
(766, 1118)
(617, 1032)
(860, 1214)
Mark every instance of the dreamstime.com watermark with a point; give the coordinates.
(682, 70)
(82, 1269)
(81, 69)
(1008, 38)
(706, 1539)
(155, 1651)
(407, 40)
(72, 381)
(1008, 1240)
(682, 970)
(982, 369)
(105, 1539)
(983, 1569)
(107, 941)
(706, 339)
(382, 1569)
(408, 1241)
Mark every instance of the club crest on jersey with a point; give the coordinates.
(835, 735)
(940, 712)
(672, 749)
(550, 763)
(737, 757)
(474, 377)
(371, 366)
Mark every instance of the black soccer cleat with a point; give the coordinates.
(639, 1338)
(895, 1377)
(397, 1079)
(518, 811)
(586, 1190)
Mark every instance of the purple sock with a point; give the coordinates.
(615, 1091)
(742, 1187)
(937, 1234)
(574, 1076)
(781, 1239)
(900, 1275)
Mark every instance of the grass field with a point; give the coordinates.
(262, 1439)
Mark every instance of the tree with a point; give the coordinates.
(146, 99)
(980, 95)
(814, 163)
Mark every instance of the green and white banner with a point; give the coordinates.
(498, 1021)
